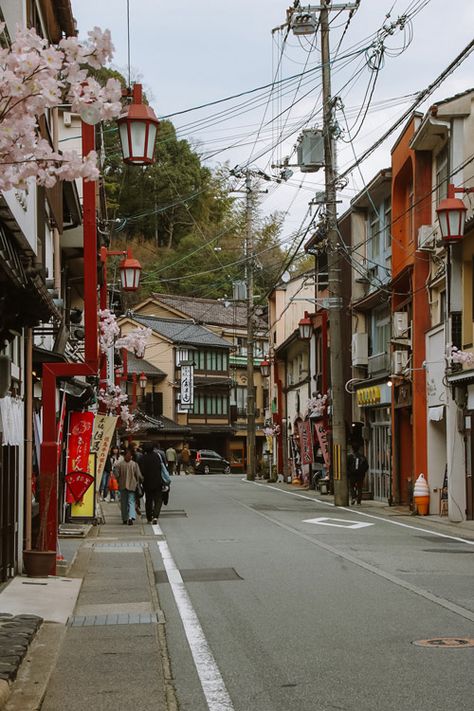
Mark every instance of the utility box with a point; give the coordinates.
(400, 324)
(239, 291)
(310, 150)
(399, 361)
(360, 349)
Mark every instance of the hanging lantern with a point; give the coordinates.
(142, 380)
(451, 215)
(306, 328)
(130, 270)
(137, 129)
(265, 368)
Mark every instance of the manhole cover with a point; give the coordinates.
(445, 642)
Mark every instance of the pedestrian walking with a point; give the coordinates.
(129, 476)
(150, 467)
(185, 458)
(115, 457)
(357, 467)
(104, 482)
(171, 458)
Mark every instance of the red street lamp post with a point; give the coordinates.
(305, 327)
(130, 270)
(452, 215)
(265, 368)
(137, 129)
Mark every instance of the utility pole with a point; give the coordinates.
(336, 352)
(249, 250)
(303, 20)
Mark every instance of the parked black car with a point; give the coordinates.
(206, 461)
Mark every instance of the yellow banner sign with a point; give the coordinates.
(368, 396)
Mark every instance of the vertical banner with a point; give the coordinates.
(102, 435)
(85, 507)
(79, 444)
(306, 444)
(323, 443)
(187, 386)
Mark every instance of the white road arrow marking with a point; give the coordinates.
(341, 523)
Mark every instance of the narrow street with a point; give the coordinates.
(268, 609)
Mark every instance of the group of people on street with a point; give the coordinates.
(139, 472)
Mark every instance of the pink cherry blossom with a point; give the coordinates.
(35, 77)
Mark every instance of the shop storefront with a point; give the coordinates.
(375, 403)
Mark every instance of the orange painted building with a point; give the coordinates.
(411, 208)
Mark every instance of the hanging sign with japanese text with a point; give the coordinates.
(187, 386)
(306, 445)
(323, 443)
(103, 432)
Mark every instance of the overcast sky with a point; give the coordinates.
(189, 53)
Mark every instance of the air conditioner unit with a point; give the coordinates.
(360, 349)
(310, 151)
(400, 324)
(399, 361)
(426, 237)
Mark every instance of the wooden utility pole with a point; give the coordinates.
(336, 351)
(249, 249)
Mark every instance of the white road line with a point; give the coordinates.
(215, 692)
(341, 522)
(367, 515)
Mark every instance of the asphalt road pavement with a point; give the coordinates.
(275, 601)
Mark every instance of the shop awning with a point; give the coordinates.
(436, 414)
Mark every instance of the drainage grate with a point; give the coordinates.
(133, 618)
(175, 512)
(202, 575)
(446, 642)
(301, 507)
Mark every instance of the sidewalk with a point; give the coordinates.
(440, 524)
(112, 651)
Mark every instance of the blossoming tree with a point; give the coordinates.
(36, 77)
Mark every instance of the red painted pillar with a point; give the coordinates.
(49, 459)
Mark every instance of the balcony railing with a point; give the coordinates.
(379, 363)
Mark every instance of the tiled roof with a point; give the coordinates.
(210, 311)
(182, 332)
(455, 96)
(140, 365)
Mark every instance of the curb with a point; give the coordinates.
(29, 689)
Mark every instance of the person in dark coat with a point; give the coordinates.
(150, 467)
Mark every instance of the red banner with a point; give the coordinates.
(306, 444)
(78, 483)
(323, 443)
(79, 445)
